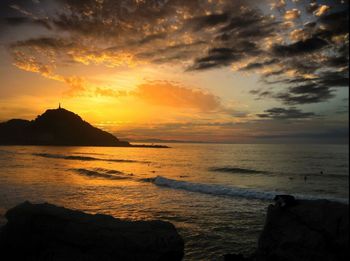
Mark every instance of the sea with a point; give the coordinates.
(215, 194)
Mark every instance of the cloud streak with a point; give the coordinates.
(286, 114)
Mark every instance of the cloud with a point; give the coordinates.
(305, 94)
(20, 20)
(296, 47)
(207, 21)
(109, 92)
(284, 114)
(34, 64)
(172, 94)
(299, 48)
(217, 57)
(56, 44)
(323, 9)
(292, 14)
(299, 35)
(259, 65)
(169, 94)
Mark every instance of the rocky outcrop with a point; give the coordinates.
(46, 232)
(302, 230)
(305, 231)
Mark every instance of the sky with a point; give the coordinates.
(268, 71)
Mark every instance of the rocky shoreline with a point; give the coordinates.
(302, 230)
(295, 230)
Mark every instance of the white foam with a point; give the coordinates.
(214, 189)
(231, 191)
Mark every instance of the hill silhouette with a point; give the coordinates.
(57, 127)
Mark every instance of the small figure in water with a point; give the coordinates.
(305, 179)
(321, 172)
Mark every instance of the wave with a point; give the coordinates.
(339, 176)
(101, 173)
(213, 189)
(237, 170)
(84, 158)
(220, 190)
(89, 153)
(111, 171)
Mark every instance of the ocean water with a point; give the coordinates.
(215, 194)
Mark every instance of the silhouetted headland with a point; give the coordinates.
(59, 127)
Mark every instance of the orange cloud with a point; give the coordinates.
(322, 10)
(292, 14)
(108, 58)
(31, 64)
(299, 35)
(109, 92)
(165, 93)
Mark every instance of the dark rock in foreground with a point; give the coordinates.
(46, 232)
(309, 230)
(304, 230)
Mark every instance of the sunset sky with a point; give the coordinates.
(236, 71)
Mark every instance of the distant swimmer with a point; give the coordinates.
(305, 179)
(321, 172)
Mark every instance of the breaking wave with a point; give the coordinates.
(221, 190)
(237, 170)
(83, 158)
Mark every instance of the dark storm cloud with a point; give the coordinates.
(335, 23)
(21, 13)
(179, 52)
(334, 79)
(217, 57)
(249, 18)
(18, 21)
(305, 94)
(299, 48)
(314, 66)
(326, 79)
(283, 114)
(222, 56)
(237, 40)
(45, 42)
(337, 61)
(259, 65)
(207, 21)
(153, 37)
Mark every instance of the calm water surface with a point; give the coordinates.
(216, 195)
